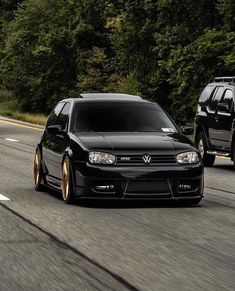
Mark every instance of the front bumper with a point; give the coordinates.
(174, 182)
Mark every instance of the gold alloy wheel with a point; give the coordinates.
(36, 168)
(65, 180)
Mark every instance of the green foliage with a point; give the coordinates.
(191, 67)
(164, 50)
(227, 10)
(38, 59)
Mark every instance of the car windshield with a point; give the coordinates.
(120, 117)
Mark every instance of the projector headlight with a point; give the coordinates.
(188, 158)
(101, 158)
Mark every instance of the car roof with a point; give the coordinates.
(227, 84)
(109, 96)
(225, 81)
(102, 97)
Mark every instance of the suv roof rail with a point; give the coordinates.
(109, 96)
(225, 79)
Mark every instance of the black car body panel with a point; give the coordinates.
(129, 177)
(134, 141)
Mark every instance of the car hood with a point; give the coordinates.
(134, 141)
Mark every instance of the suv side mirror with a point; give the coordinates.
(53, 129)
(187, 130)
(223, 107)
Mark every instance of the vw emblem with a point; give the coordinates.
(147, 159)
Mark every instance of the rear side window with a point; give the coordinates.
(213, 103)
(228, 98)
(206, 93)
(62, 119)
(53, 117)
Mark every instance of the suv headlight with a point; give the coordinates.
(101, 158)
(187, 158)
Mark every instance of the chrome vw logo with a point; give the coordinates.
(147, 159)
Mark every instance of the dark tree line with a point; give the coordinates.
(164, 50)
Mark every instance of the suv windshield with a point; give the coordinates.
(121, 117)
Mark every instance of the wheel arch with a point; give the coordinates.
(44, 168)
(39, 147)
(202, 129)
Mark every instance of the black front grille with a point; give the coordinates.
(149, 187)
(138, 159)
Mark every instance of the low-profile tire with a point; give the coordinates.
(38, 178)
(208, 160)
(67, 182)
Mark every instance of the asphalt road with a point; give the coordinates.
(47, 245)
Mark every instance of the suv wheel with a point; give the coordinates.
(208, 160)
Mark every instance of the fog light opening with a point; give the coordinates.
(184, 187)
(104, 188)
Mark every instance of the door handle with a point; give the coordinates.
(216, 118)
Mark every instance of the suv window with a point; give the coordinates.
(206, 93)
(53, 117)
(216, 98)
(228, 98)
(62, 119)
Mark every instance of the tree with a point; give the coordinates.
(192, 67)
(164, 50)
(38, 62)
(227, 10)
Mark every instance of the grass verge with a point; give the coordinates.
(11, 109)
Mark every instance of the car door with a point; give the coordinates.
(60, 141)
(225, 119)
(214, 133)
(48, 139)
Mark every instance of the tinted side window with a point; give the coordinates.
(54, 114)
(206, 93)
(216, 98)
(63, 116)
(228, 98)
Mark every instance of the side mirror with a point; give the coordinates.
(53, 129)
(187, 130)
(223, 107)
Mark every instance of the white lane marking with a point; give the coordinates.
(11, 139)
(3, 198)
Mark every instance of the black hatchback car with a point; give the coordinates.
(116, 146)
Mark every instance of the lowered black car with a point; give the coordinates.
(116, 146)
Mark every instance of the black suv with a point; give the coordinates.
(215, 120)
(117, 146)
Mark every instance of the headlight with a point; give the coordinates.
(188, 158)
(101, 158)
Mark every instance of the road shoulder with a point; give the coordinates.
(19, 122)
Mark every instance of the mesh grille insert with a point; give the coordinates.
(153, 187)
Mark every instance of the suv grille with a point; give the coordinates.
(138, 159)
(149, 187)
